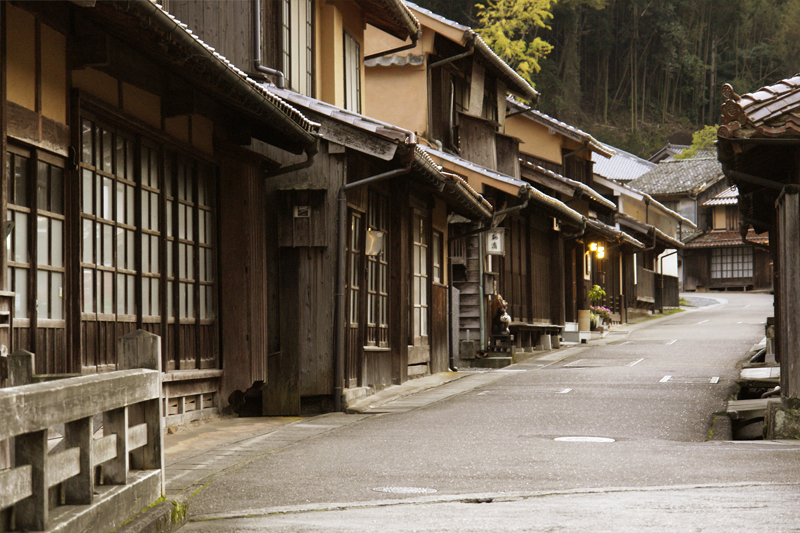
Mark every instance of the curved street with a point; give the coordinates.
(487, 452)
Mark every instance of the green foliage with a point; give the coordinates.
(702, 140)
(596, 293)
(510, 28)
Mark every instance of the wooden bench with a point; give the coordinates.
(526, 336)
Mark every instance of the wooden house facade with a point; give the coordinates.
(719, 258)
(758, 149)
(122, 145)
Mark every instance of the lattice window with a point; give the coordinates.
(736, 262)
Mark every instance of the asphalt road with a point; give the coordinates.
(493, 458)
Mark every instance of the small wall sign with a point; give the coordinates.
(495, 242)
(302, 211)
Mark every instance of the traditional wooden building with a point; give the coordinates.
(719, 258)
(758, 146)
(124, 144)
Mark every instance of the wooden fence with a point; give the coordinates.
(92, 479)
(645, 285)
(667, 293)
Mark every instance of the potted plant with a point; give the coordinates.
(598, 312)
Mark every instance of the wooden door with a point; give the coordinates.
(353, 329)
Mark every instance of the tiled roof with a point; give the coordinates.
(729, 196)
(396, 60)
(562, 127)
(588, 191)
(772, 111)
(423, 163)
(621, 166)
(715, 239)
(611, 232)
(526, 191)
(391, 16)
(518, 84)
(678, 176)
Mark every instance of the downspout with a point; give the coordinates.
(279, 77)
(414, 39)
(338, 370)
(439, 64)
(571, 236)
(310, 151)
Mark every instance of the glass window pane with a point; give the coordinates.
(130, 255)
(190, 313)
(21, 293)
(21, 181)
(42, 195)
(42, 244)
(201, 228)
(120, 145)
(88, 290)
(20, 237)
(107, 199)
(203, 312)
(56, 242)
(153, 168)
(88, 241)
(201, 259)
(146, 296)
(189, 223)
(154, 297)
(190, 262)
(129, 218)
(146, 254)
(120, 202)
(154, 254)
(181, 260)
(145, 210)
(170, 300)
(209, 302)
(120, 248)
(181, 221)
(170, 251)
(168, 219)
(154, 211)
(209, 266)
(131, 307)
(108, 245)
(121, 294)
(129, 159)
(57, 190)
(108, 292)
(107, 151)
(86, 142)
(182, 300)
(88, 184)
(57, 295)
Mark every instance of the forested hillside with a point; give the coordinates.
(635, 72)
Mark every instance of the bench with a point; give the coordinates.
(529, 336)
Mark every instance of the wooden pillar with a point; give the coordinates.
(20, 368)
(557, 280)
(400, 284)
(788, 321)
(115, 471)
(32, 513)
(79, 489)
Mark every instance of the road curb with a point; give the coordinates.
(165, 517)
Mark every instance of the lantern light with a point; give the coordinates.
(593, 246)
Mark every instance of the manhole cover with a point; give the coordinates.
(405, 490)
(584, 439)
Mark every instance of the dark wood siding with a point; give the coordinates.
(439, 330)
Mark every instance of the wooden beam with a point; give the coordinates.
(48, 404)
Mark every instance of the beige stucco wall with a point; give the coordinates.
(98, 84)
(54, 74)
(720, 221)
(333, 19)
(536, 138)
(21, 57)
(399, 96)
(141, 104)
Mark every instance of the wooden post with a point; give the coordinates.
(115, 422)
(79, 489)
(141, 349)
(788, 321)
(32, 512)
(20, 368)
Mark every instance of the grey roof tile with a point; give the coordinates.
(680, 176)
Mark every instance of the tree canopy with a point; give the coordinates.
(511, 28)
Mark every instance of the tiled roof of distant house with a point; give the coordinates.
(769, 112)
(621, 166)
(729, 196)
(714, 239)
(680, 176)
